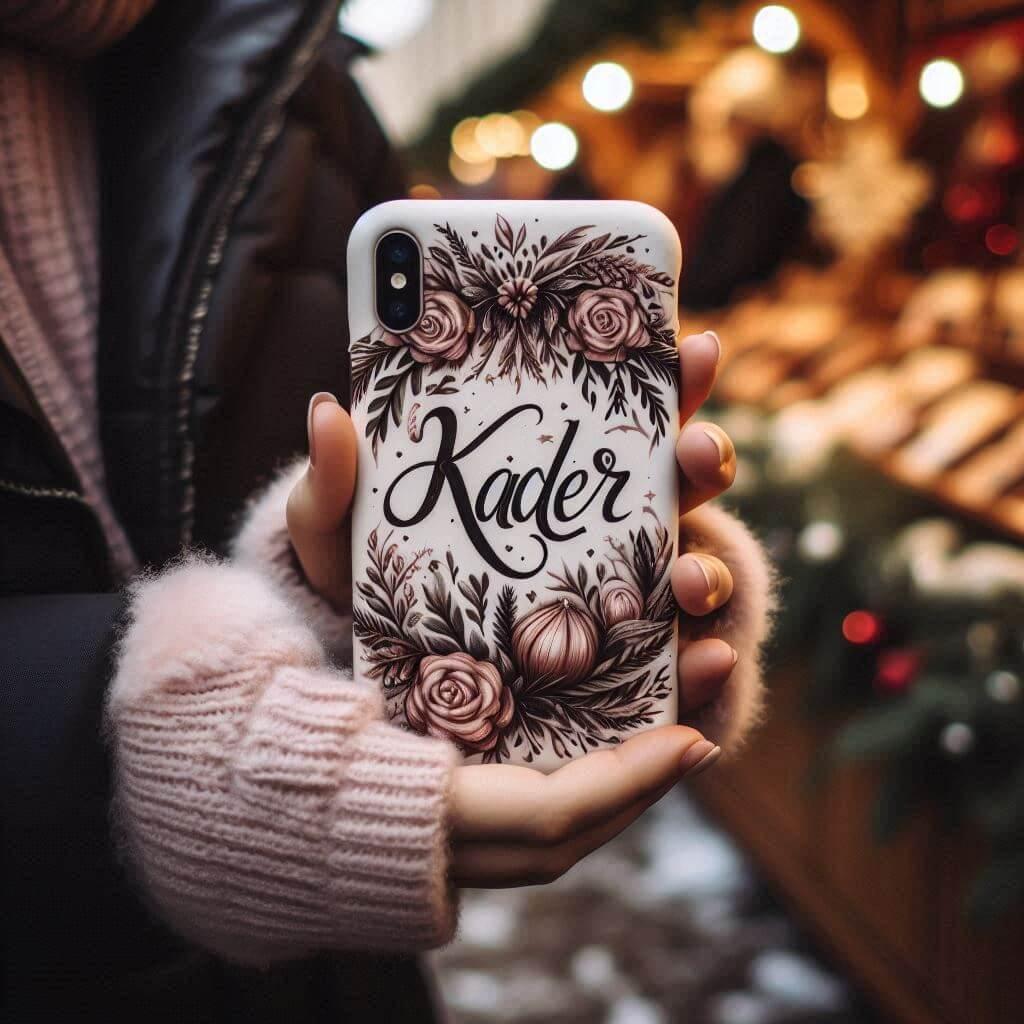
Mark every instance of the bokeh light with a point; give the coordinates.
(464, 142)
(847, 92)
(862, 627)
(607, 86)
(554, 146)
(471, 172)
(528, 122)
(776, 29)
(1001, 240)
(499, 135)
(941, 83)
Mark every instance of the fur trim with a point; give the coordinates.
(262, 543)
(744, 622)
(201, 618)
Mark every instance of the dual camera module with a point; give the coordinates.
(399, 281)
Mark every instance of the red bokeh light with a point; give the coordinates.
(862, 627)
(897, 669)
(963, 203)
(1001, 239)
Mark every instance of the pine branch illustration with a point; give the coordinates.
(505, 621)
(369, 356)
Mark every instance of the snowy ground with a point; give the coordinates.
(666, 924)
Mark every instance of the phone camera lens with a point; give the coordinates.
(399, 280)
(399, 252)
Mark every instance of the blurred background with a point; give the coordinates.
(848, 182)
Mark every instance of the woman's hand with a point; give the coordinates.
(541, 825)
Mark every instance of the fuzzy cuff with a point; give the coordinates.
(744, 622)
(263, 544)
(265, 807)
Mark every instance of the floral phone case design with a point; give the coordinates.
(515, 517)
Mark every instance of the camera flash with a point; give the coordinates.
(398, 281)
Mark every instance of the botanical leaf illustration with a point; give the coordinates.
(575, 671)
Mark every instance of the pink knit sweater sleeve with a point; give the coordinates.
(266, 806)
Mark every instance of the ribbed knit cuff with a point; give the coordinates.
(268, 810)
(388, 840)
(263, 544)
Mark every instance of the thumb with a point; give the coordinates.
(320, 501)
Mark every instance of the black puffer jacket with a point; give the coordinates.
(235, 154)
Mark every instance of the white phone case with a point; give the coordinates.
(514, 523)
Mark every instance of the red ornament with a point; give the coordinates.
(862, 627)
(897, 669)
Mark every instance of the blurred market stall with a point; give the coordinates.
(848, 180)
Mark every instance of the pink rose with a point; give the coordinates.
(455, 697)
(620, 600)
(605, 323)
(442, 334)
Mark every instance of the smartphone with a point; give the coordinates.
(514, 387)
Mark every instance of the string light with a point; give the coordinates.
(941, 83)
(464, 142)
(471, 173)
(499, 135)
(776, 29)
(607, 86)
(847, 94)
(862, 627)
(554, 146)
(528, 123)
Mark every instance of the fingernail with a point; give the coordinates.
(320, 396)
(735, 657)
(722, 442)
(714, 337)
(700, 756)
(709, 570)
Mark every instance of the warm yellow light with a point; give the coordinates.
(424, 191)
(941, 83)
(528, 123)
(499, 135)
(607, 86)
(471, 173)
(847, 93)
(554, 146)
(776, 29)
(464, 142)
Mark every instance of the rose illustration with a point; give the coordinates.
(556, 642)
(455, 697)
(620, 600)
(442, 334)
(605, 323)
